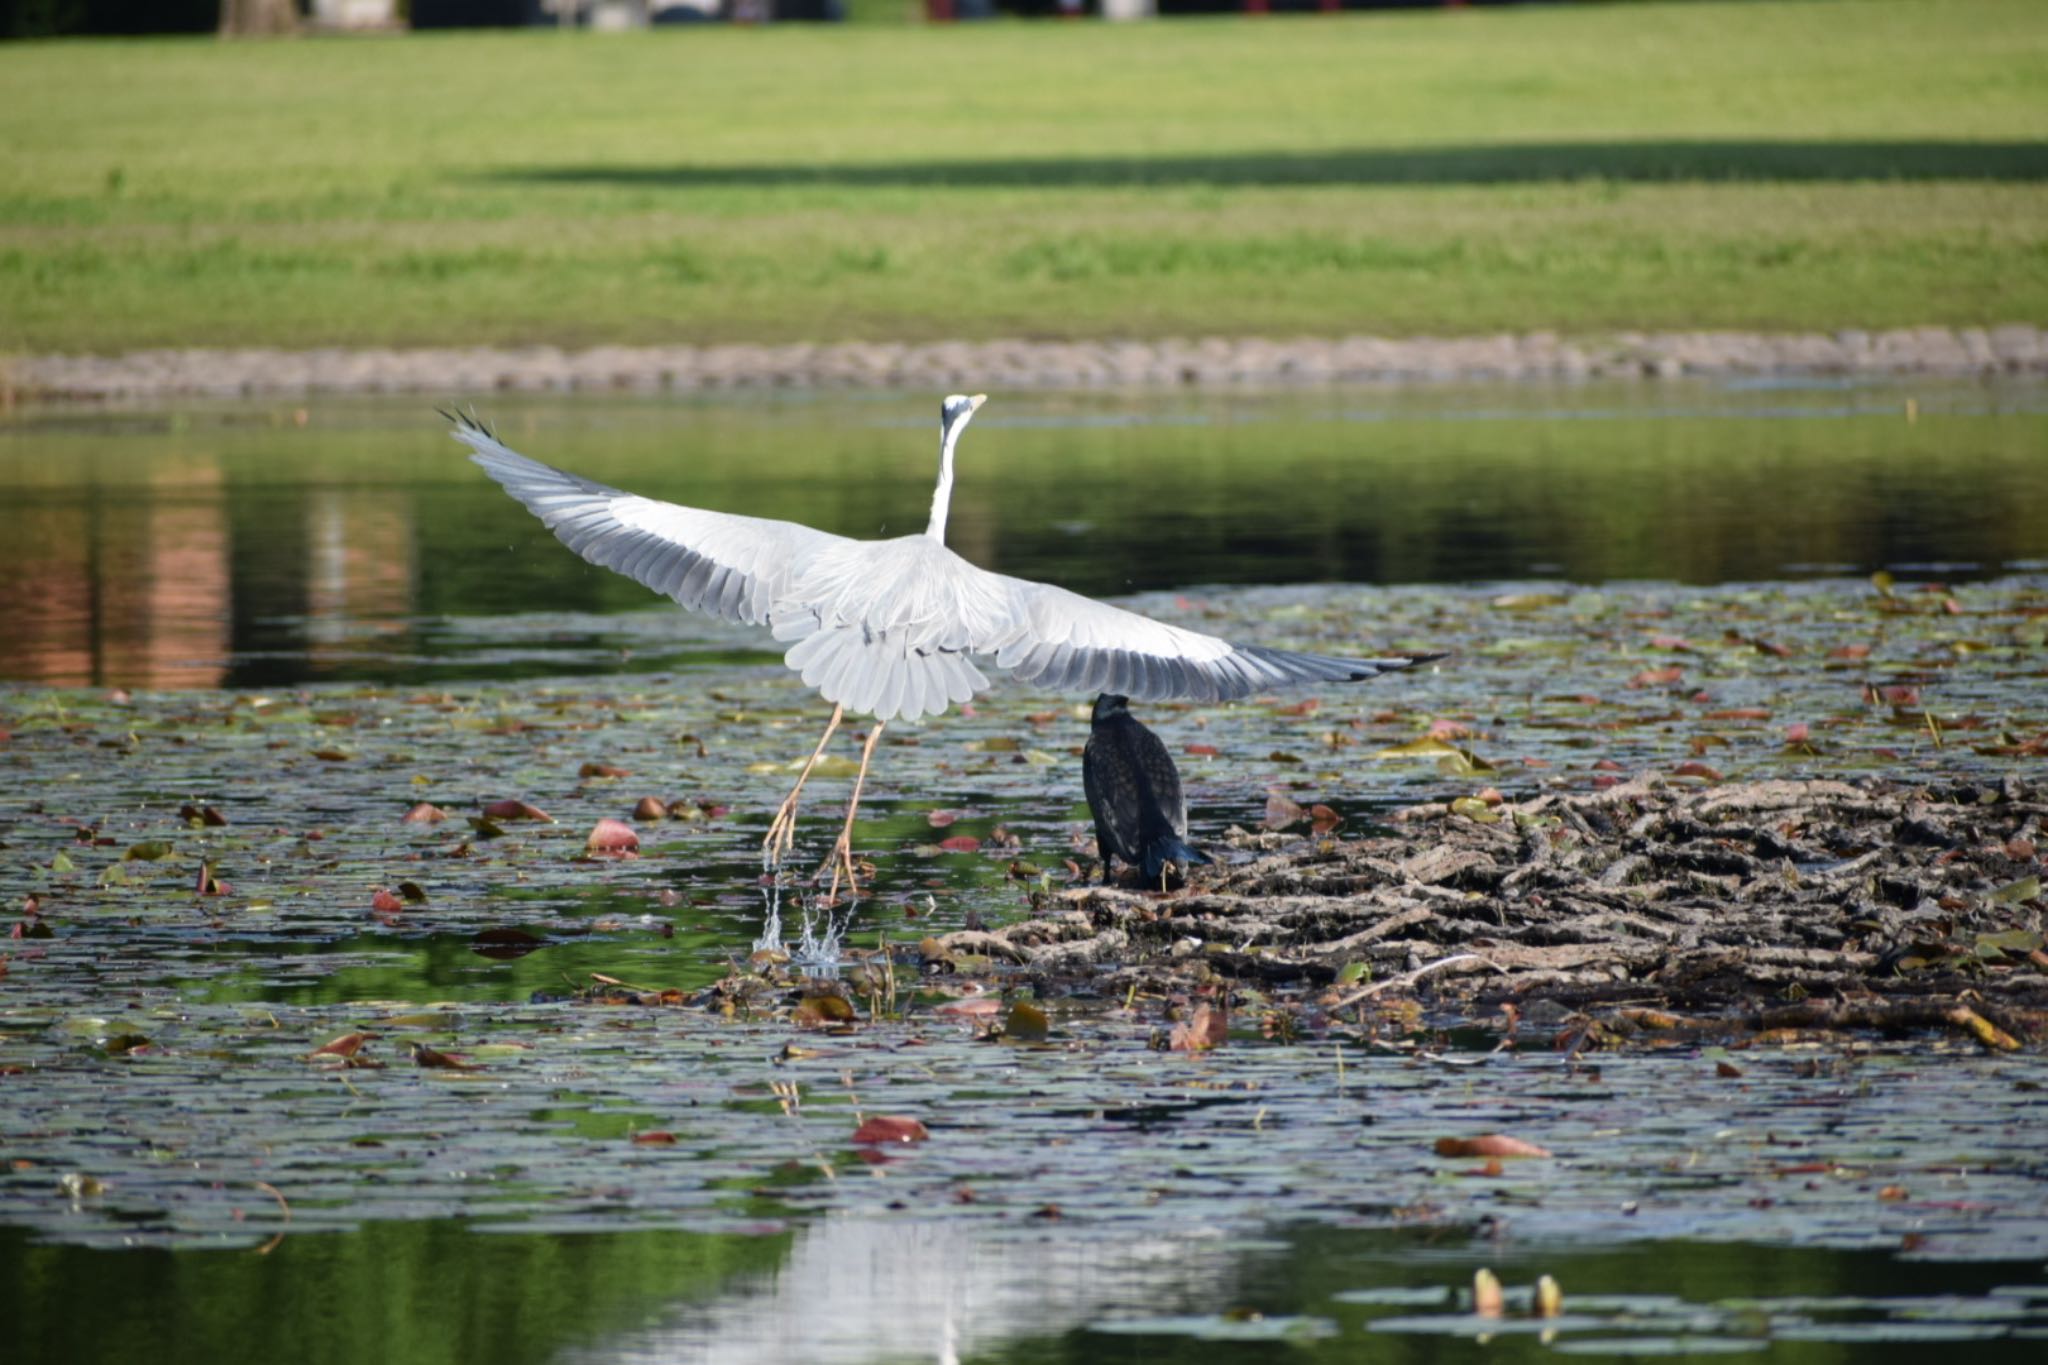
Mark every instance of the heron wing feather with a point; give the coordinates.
(1063, 641)
(730, 566)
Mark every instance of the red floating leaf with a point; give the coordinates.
(961, 843)
(886, 1128)
(1207, 1027)
(385, 903)
(1307, 706)
(516, 810)
(1849, 652)
(1657, 677)
(425, 813)
(1202, 750)
(1488, 1145)
(1696, 769)
(657, 1137)
(1740, 713)
(1727, 1070)
(1448, 730)
(975, 1007)
(939, 819)
(347, 1045)
(1322, 819)
(602, 770)
(613, 837)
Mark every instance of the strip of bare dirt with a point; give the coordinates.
(1654, 903)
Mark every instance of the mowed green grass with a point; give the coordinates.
(1844, 163)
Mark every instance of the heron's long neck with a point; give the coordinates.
(942, 496)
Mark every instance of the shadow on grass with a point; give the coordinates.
(1644, 162)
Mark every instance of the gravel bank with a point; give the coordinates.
(2013, 349)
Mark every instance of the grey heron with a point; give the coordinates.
(1134, 794)
(894, 629)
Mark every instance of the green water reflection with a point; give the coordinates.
(266, 545)
(445, 1293)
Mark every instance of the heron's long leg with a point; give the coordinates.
(842, 852)
(781, 835)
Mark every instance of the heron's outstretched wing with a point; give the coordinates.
(1066, 642)
(715, 562)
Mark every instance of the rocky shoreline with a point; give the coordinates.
(2015, 349)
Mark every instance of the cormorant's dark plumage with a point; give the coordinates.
(1134, 792)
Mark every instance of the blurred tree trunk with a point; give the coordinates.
(239, 18)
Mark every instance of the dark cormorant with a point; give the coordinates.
(1134, 793)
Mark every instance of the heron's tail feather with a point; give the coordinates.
(882, 676)
(1170, 848)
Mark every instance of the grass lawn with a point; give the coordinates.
(1841, 162)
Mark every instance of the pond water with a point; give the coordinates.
(267, 545)
(321, 616)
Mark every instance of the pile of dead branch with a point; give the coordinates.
(1813, 904)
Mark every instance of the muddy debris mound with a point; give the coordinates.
(1652, 904)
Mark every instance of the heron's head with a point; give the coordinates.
(1110, 704)
(954, 413)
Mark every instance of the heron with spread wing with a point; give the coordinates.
(897, 628)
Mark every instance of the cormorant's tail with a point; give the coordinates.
(1170, 848)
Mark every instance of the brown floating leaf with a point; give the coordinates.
(1308, 706)
(650, 808)
(1202, 750)
(515, 810)
(601, 770)
(1027, 1022)
(423, 1055)
(887, 1128)
(1656, 677)
(208, 884)
(1892, 1194)
(1489, 1144)
(1322, 819)
(425, 813)
(205, 815)
(824, 1011)
(1727, 1070)
(505, 943)
(412, 891)
(1282, 811)
(331, 755)
(613, 837)
(657, 1137)
(385, 903)
(1697, 769)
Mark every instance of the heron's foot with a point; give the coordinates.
(781, 836)
(840, 862)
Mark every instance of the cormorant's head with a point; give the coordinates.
(1110, 704)
(954, 412)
